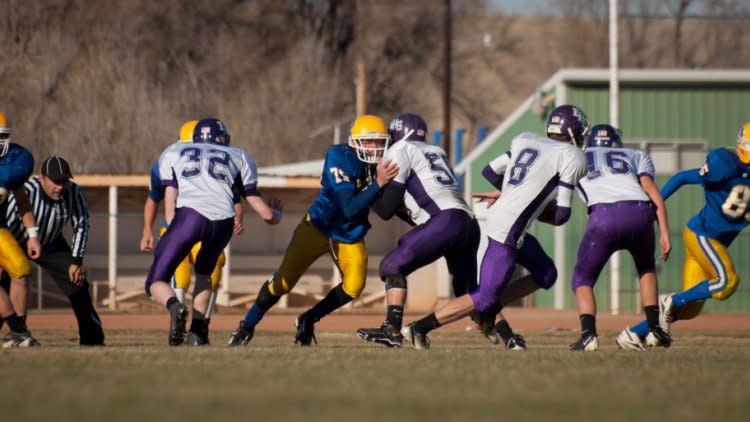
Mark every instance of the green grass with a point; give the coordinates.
(705, 376)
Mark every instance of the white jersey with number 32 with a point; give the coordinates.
(535, 171)
(204, 175)
(428, 179)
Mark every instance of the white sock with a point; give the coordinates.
(180, 293)
(211, 304)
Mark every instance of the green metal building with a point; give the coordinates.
(675, 115)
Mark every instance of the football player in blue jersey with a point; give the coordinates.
(336, 223)
(16, 165)
(708, 271)
(181, 279)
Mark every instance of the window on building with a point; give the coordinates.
(671, 156)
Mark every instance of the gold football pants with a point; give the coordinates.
(307, 245)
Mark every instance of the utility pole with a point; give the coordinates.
(361, 89)
(447, 24)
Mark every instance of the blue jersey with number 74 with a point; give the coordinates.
(342, 171)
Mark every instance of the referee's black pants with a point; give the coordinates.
(55, 261)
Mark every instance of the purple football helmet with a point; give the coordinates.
(211, 131)
(604, 136)
(569, 122)
(408, 127)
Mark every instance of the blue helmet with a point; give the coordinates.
(604, 136)
(211, 131)
(568, 122)
(408, 127)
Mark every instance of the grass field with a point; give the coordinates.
(705, 376)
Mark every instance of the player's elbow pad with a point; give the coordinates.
(495, 179)
(562, 215)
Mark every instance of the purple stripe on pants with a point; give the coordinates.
(498, 265)
(187, 228)
(612, 227)
(452, 234)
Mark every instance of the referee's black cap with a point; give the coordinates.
(56, 168)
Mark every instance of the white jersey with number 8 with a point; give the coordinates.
(535, 171)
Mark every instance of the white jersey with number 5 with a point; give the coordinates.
(204, 175)
(429, 183)
(614, 175)
(535, 171)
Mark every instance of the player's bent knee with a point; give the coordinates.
(353, 290)
(202, 282)
(730, 286)
(546, 279)
(690, 311)
(485, 305)
(395, 281)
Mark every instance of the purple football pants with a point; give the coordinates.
(498, 265)
(189, 227)
(452, 234)
(625, 225)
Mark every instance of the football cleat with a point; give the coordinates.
(628, 340)
(242, 335)
(418, 340)
(516, 342)
(658, 338)
(667, 312)
(178, 314)
(194, 339)
(369, 138)
(587, 343)
(305, 331)
(486, 323)
(386, 334)
(23, 339)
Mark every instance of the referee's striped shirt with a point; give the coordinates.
(51, 216)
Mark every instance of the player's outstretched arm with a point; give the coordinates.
(687, 177)
(149, 216)
(487, 197)
(270, 212)
(661, 214)
(33, 247)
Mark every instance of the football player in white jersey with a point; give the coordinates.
(536, 170)
(425, 193)
(620, 193)
(200, 176)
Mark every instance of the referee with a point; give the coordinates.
(55, 200)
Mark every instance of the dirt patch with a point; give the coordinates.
(520, 319)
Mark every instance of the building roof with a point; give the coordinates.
(304, 174)
(599, 76)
